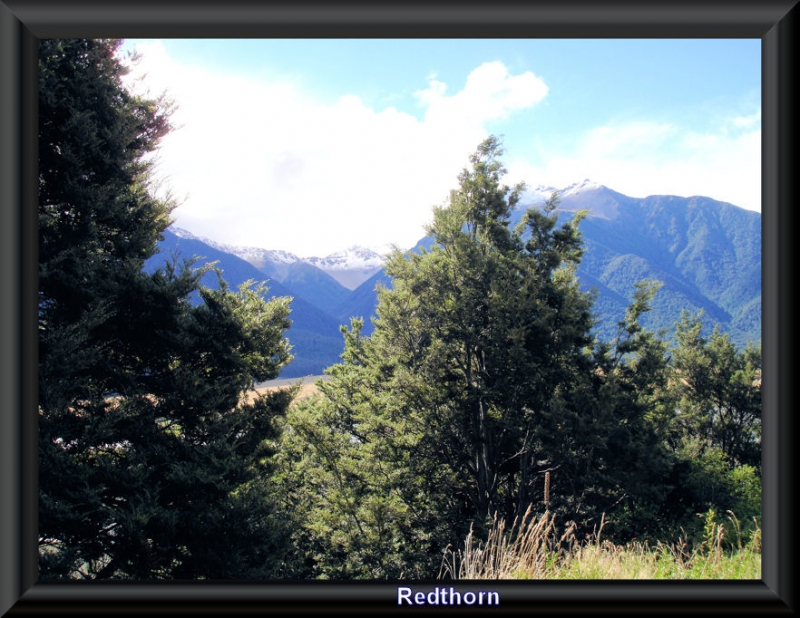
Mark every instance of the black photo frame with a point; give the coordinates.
(23, 22)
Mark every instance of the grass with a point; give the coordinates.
(308, 389)
(532, 549)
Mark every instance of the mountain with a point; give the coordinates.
(363, 300)
(707, 253)
(299, 276)
(350, 267)
(316, 286)
(314, 334)
(255, 256)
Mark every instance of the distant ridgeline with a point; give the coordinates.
(706, 253)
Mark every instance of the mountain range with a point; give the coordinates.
(706, 253)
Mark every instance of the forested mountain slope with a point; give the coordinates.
(706, 253)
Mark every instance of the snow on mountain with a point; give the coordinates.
(181, 233)
(351, 258)
(598, 199)
(543, 192)
(538, 194)
(273, 255)
(256, 256)
(579, 187)
(350, 267)
(356, 264)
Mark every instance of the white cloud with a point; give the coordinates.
(648, 158)
(490, 93)
(265, 164)
(747, 122)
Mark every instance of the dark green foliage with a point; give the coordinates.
(717, 391)
(720, 390)
(349, 463)
(702, 479)
(481, 377)
(315, 337)
(93, 173)
(151, 463)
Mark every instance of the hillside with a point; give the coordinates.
(707, 254)
(314, 334)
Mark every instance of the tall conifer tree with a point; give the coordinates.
(151, 463)
(480, 378)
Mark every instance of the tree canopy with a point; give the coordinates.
(152, 461)
(480, 380)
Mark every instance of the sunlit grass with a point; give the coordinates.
(533, 549)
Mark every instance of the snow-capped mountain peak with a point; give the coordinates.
(181, 233)
(579, 187)
(255, 255)
(275, 255)
(354, 257)
(539, 193)
(585, 195)
(543, 192)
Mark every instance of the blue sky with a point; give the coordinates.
(311, 146)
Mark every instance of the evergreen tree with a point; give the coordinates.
(153, 463)
(720, 389)
(711, 426)
(481, 378)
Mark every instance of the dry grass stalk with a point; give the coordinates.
(532, 550)
(521, 552)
